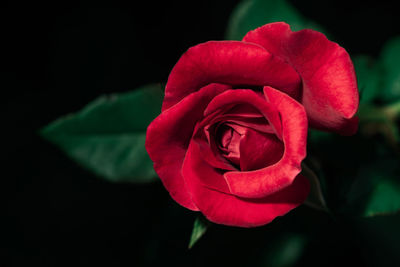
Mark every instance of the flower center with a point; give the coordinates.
(228, 137)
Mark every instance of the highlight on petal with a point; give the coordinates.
(168, 137)
(229, 62)
(330, 94)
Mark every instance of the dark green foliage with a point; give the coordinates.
(108, 135)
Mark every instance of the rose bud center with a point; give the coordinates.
(247, 148)
(229, 143)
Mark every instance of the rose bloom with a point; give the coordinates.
(232, 133)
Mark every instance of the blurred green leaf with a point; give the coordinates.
(376, 191)
(380, 120)
(286, 251)
(317, 137)
(368, 77)
(251, 14)
(390, 60)
(385, 198)
(200, 227)
(107, 136)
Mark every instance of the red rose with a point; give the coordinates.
(232, 133)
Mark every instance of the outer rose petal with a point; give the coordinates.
(271, 179)
(224, 208)
(330, 93)
(228, 62)
(168, 137)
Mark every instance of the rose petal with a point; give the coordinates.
(258, 150)
(244, 111)
(243, 115)
(223, 208)
(249, 97)
(330, 93)
(228, 62)
(226, 136)
(266, 181)
(233, 149)
(195, 167)
(208, 147)
(259, 124)
(168, 137)
(210, 153)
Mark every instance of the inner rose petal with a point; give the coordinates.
(247, 148)
(228, 140)
(244, 111)
(227, 128)
(259, 150)
(226, 136)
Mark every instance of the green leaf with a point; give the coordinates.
(376, 191)
(286, 251)
(107, 136)
(251, 14)
(380, 120)
(199, 229)
(315, 198)
(385, 198)
(390, 59)
(317, 137)
(368, 78)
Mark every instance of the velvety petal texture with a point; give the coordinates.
(206, 155)
(279, 190)
(168, 138)
(293, 133)
(225, 208)
(330, 94)
(232, 133)
(229, 62)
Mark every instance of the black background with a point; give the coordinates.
(55, 59)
